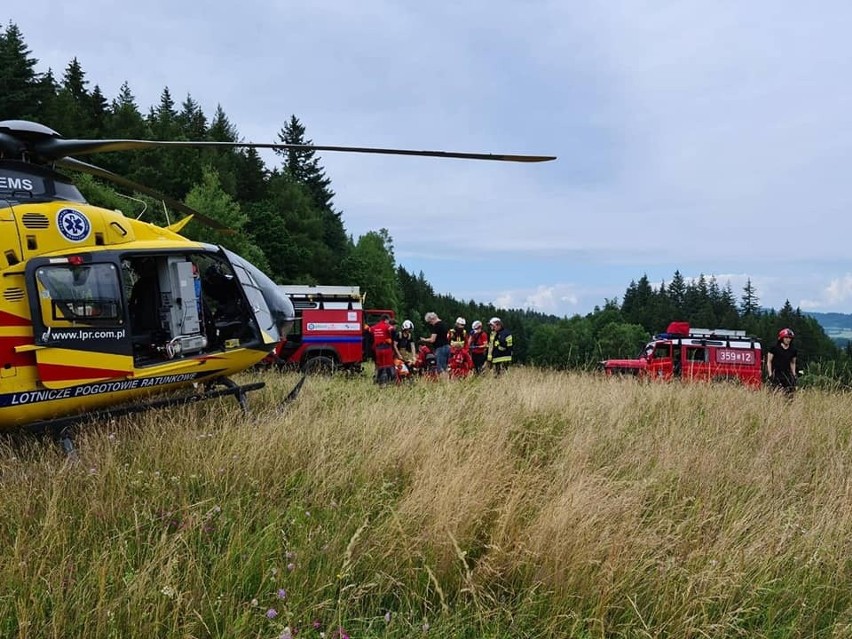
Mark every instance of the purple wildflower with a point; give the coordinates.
(282, 594)
(271, 613)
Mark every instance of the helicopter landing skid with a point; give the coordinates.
(62, 428)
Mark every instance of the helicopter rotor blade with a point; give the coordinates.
(54, 148)
(91, 169)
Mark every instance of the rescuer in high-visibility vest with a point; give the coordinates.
(457, 335)
(499, 346)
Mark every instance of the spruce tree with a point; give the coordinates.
(99, 112)
(74, 116)
(303, 167)
(750, 305)
(21, 93)
(677, 294)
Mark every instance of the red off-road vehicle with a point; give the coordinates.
(328, 333)
(695, 354)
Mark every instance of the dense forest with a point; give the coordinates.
(286, 223)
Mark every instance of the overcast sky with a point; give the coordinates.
(711, 137)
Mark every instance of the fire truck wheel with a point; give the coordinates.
(319, 365)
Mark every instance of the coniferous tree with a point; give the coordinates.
(21, 94)
(303, 167)
(226, 164)
(727, 310)
(99, 112)
(251, 176)
(639, 304)
(161, 166)
(677, 294)
(750, 302)
(302, 255)
(191, 124)
(163, 119)
(73, 107)
(191, 121)
(124, 120)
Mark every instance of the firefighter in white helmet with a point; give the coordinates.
(403, 344)
(457, 335)
(499, 346)
(477, 345)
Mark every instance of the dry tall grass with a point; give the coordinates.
(538, 504)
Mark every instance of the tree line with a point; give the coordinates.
(286, 223)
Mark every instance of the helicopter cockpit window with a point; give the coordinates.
(79, 295)
(33, 185)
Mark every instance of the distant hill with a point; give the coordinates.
(838, 326)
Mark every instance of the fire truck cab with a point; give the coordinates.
(328, 333)
(695, 354)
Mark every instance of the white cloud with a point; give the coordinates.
(556, 299)
(838, 293)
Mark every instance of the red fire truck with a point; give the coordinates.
(695, 354)
(328, 333)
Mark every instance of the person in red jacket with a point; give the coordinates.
(477, 345)
(383, 350)
(460, 364)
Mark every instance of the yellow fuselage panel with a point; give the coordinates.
(60, 227)
(23, 401)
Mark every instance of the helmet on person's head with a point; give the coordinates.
(407, 325)
(786, 332)
(460, 321)
(494, 320)
(476, 325)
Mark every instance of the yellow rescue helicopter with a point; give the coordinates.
(99, 310)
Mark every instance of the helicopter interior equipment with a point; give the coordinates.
(99, 311)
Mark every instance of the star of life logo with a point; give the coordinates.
(73, 225)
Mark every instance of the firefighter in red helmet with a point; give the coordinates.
(781, 362)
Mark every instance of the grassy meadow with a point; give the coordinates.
(533, 505)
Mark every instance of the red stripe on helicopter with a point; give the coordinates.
(62, 373)
(7, 319)
(8, 354)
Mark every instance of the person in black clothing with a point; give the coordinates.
(437, 340)
(781, 362)
(403, 343)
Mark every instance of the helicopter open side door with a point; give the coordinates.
(79, 326)
(272, 310)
